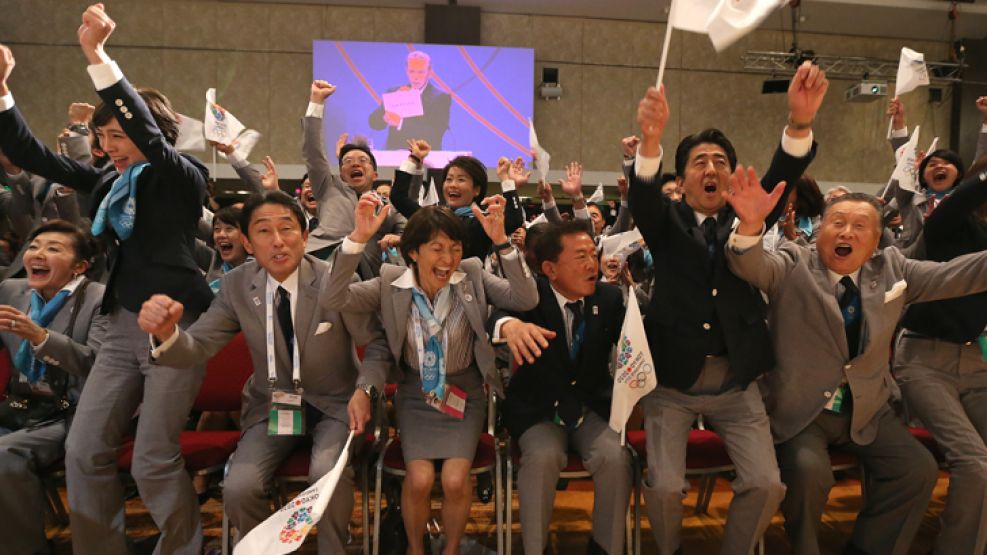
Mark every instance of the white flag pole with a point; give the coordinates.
(890, 123)
(664, 53)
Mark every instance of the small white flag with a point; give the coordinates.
(430, 198)
(597, 195)
(906, 172)
(246, 142)
(912, 72)
(692, 15)
(634, 374)
(285, 530)
(190, 135)
(539, 219)
(220, 125)
(735, 18)
(542, 158)
(621, 245)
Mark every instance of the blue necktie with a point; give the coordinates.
(42, 314)
(578, 328)
(850, 308)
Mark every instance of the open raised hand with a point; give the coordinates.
(269, 179)
(750, 201)
(518, 172)
(572, 185)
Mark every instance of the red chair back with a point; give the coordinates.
(6, 371)
(226, 373)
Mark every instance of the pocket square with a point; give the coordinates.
(323, 328)
(896, 290)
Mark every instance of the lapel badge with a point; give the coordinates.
(256, 301)
(596, 310)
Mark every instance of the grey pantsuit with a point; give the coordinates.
(544, 453)
(900, 476)
(738, 416)
(945, 385)
(121, 377)
(23, 454)
(245, 492)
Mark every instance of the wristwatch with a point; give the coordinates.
(79, 128)
(368, 389)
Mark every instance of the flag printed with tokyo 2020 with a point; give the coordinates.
(634, 373)
(285, 530)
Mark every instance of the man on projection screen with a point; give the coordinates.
(418, 110)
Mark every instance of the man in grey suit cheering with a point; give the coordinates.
(312, 385)
(833, 308)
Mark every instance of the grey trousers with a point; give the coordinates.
(900, 474)
(544, 453)
(257, 456)
(22, 497)
(739, 417)
(944, 384)
(121, 380)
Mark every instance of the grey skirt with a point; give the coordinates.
(431, 435)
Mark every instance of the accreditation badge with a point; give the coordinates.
(287, 414)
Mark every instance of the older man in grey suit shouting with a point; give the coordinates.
(833, 308)
(307, 379)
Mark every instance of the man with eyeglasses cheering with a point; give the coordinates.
(337, 194)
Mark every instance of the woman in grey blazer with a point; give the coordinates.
(51, 328)
(433, 313)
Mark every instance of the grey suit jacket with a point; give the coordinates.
(808, 333)
(518, 292)
(70, 350)
(337, 200)
(330, 369)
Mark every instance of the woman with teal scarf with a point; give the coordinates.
(51, 329)
(464, 183)
(148, 203)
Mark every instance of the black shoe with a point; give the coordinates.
(593, 548)
(484, 487)
(851, 549)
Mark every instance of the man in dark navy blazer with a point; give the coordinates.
(705, 326)
(559, 399)
(157, 197)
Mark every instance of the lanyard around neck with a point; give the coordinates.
(272, 374)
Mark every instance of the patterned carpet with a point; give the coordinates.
(571, 524)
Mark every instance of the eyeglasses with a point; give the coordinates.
(350, 161)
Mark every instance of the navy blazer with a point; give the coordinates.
(477, 242)
(554, 379)
(159, 255)
(698, 306)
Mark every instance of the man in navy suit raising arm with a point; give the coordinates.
(705, 325)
